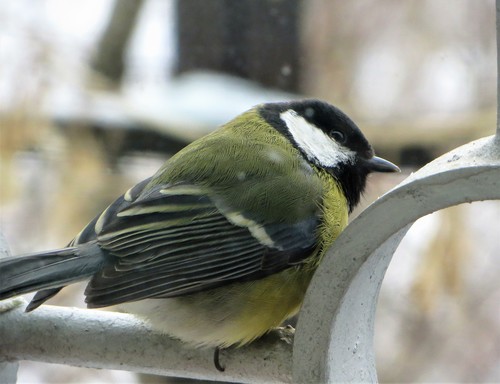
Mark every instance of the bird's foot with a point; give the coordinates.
(286, 333)
(218, 365)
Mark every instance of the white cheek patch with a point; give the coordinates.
(315, 143)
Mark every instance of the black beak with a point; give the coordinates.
(377, 164)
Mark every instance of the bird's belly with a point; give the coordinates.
(233, 314)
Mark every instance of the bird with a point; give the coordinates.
(218, 247)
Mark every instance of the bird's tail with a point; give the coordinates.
(49, 271)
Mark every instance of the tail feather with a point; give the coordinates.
(48, 270)
(41, 297)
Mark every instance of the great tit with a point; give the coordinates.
(219, 246)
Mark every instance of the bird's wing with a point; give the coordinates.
(176, 240)
(195, 232)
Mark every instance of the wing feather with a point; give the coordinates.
(178, 239)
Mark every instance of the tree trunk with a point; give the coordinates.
(253, 39)
(109, 59)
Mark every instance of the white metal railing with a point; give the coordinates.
(334, 338)
(335, 332)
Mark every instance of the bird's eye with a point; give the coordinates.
(338, 136)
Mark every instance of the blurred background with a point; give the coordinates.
(95, 95)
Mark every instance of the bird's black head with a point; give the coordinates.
(329, 139)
